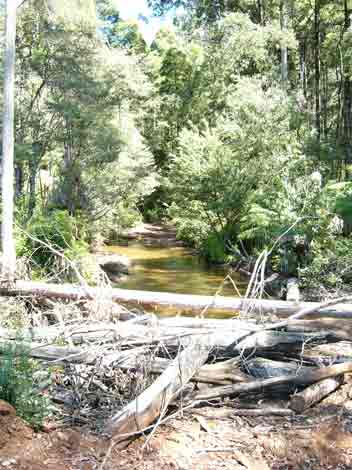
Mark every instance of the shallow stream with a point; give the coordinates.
(176, 270)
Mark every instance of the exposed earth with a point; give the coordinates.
(204, 439)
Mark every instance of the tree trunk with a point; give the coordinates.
(313, 394)
(347, 97)
(154, 401)
(182, 302)
(302, 66)
(317, 68)
(305, 378)
(8, 244)
(284, 51)
(32, 185)
(18, 181)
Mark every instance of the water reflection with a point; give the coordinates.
(174, 269)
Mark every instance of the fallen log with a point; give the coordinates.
(278, 340)
(329, 353)
(336, 328)
(304, 378)
(314, 394)
(220, 373)
(153, 402)
(133, 335)
(179, 301)
(266, 368)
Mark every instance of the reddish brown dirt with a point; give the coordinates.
(204, 440)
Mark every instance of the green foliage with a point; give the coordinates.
(328, 272)
(214, 248)
(18, 384)
(218, 172)
(55, 231)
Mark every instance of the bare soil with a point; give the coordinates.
(203, 439)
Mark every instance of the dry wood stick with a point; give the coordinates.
(313, 394)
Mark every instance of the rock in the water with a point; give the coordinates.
(6, 409)
(114, 264)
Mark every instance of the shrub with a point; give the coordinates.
(17, 385)
(57, 230)
(329, 272)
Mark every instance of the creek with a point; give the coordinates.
(175, 269)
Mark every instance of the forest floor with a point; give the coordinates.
(203, 439)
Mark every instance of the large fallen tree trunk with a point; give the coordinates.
(304, 378)
(163, 299)
(153, 402)
(337, 329)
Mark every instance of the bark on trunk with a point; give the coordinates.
(313, 394)
(317, 68)
(284, 51)
(7, 184)
(153, 402)
(180, 301)
(305, 378)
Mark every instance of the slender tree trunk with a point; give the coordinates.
(347, 96)
(260, 12)
(284, 51)
(32, 187)
(302, 66)
(18, 181)
(317, 69)
(7, 183)
(325, 102)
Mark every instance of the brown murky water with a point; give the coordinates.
(176, 270)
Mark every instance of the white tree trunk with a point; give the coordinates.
(284, 51)
(7, 183)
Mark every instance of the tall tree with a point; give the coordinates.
(7, 180)
(284, 51)
(317, 66)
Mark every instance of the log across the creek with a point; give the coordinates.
(183, 302)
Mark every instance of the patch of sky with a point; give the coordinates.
(139, 11)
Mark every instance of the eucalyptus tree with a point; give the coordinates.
(8, 244)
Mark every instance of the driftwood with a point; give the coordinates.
(278, 340)
(265, 368)
(153, 402)
(221, 373)
(329, 353)
(133, 335)
(313, 394)
(179, 301)
(335, 328)
(304, 378)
